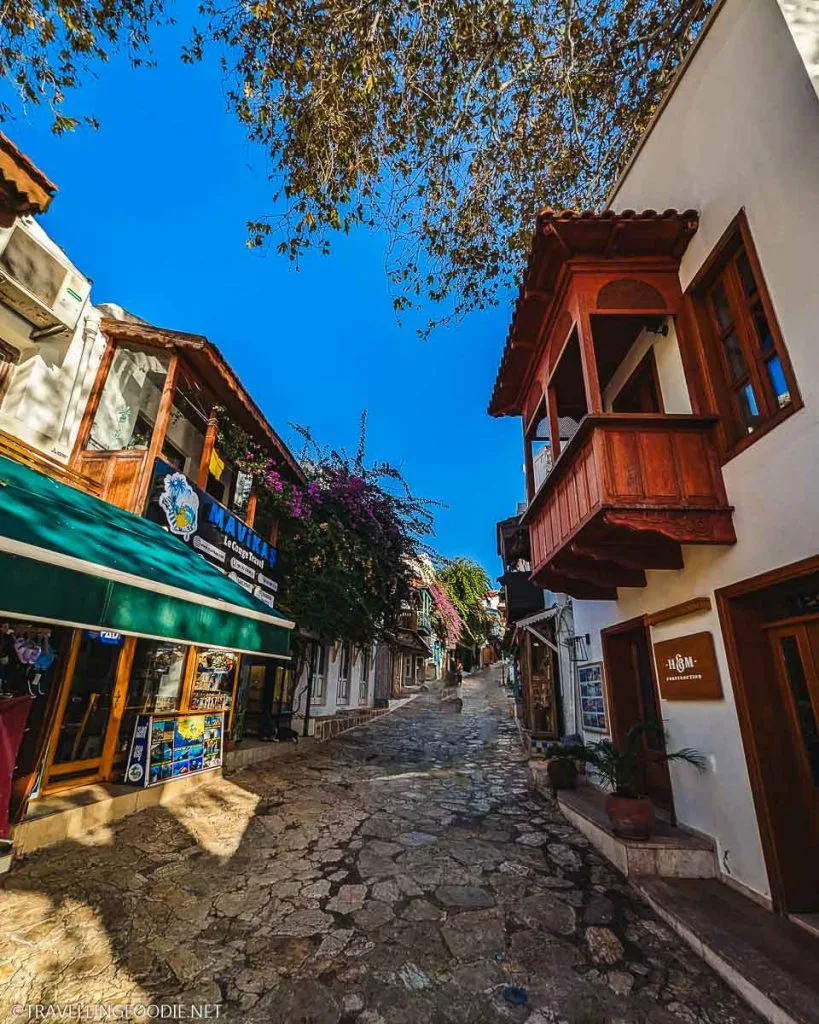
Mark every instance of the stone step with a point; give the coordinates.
(671, 852)
(768, 960)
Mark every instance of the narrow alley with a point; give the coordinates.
(400, 873)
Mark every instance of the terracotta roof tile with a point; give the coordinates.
(561, 235)
(31, 189)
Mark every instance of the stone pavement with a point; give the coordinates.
(400, 874)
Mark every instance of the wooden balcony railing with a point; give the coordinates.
(15, 448)
(624, 495)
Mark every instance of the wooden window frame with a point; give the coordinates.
(318, 699)
(344, 697)
(720, 266)
(364, 678)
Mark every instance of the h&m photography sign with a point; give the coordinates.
(687, 668)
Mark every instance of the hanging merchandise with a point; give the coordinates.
(213, 681)
(26, 658)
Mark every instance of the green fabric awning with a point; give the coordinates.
(68, 557)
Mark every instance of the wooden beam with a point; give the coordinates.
(588, 359)
(250, 516)
(119, 697)
(529, 466)
(695, 606)
(601, 574)
(633, 556)
(163, 417)
(554, 421)
(583, 590)
(207, 451)
(92, 404)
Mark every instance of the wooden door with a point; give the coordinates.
(84, 714)
(796, 657)
(544, 711)
(632, 691)
(383, 674)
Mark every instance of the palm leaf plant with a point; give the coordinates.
(620, 769)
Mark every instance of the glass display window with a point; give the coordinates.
(130, 400)
(154, 685)
(213, 680)
(24, 672)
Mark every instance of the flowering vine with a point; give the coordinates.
(346, 538)
(446, 614)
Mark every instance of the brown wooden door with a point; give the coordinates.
(796, 656)
(633, 697)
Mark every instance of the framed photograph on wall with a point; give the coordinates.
(592, 696)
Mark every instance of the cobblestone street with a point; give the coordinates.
(401, 873)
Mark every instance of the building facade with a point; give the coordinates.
(137, 606)
(671, 357)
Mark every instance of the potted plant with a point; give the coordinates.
(561, 765)
(620, 769)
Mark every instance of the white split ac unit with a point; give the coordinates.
(38, 282)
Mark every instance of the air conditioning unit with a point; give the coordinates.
(38, 282)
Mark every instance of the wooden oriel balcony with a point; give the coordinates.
(627, 491)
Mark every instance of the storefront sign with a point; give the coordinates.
(165, 748)
(214, 531)
(592, 698)
(105, 636)
(687, 668)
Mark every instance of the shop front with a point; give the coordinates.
(110, 625)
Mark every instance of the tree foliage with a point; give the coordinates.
(466, 583)
(447, 122)
(348, 542)
(47, 46)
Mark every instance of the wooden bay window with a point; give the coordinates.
(752, 377)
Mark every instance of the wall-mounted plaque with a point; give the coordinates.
(592, 697)
(687, 668)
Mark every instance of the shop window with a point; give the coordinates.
(26, 673)
(155, 685)
(318, 674)
(752, 375)
(130, 400)
(364, 681)
(87, 707)
(343, 690)
(214, 676)
(185, 435)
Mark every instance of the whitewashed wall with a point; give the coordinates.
(331, 706)
(49, 386)
(741, 130)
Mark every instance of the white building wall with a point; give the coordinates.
(740, 131)
(331, 706)
(49, 386)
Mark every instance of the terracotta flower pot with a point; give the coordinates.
(631, 817)
(562, 773)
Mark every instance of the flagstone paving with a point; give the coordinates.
(400, 874)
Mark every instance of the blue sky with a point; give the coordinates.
(153, 208)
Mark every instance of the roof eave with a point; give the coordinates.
(121, 330)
